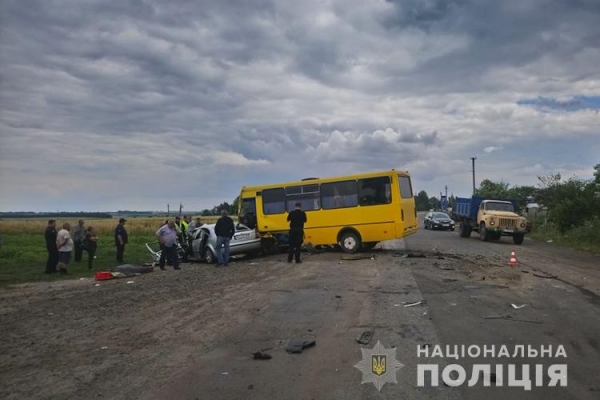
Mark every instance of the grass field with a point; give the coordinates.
(23, 254)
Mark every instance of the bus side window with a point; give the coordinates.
(273, 201)
(373, 191)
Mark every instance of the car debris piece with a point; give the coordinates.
(449, 280)
(261, 356)
(297, 345)
(509, 318)
(516, 307)
(413, 304)
(365, 337)
(130, 282)
(357, 257)
(546, 276)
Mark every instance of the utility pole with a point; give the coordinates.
(446, 188)
(473, 161)
(168, 210)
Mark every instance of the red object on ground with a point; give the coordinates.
(103, 275)
(513, 259)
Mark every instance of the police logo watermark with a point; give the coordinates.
(379, 365)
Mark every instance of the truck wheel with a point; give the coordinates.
(464, 230)
(349, 242)
(497, 236)
(483, 233)
(518, 238)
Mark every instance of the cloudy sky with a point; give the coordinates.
(108, 105)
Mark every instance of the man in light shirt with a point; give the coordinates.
(167, 237)
(64, 243)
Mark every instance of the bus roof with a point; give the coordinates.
(308, 181)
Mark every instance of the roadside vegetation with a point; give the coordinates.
(23, 254)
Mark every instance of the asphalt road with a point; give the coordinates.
(459, 281)
(190, 334)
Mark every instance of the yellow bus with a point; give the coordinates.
(352, 211)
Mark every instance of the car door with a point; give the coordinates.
(244, 239)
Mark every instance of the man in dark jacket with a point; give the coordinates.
(121, 239)
(50, 236)
(297, 220)
(224, 229)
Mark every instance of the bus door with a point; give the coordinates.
(248, 212)
(408, 211)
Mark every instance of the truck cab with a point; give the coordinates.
(498, 218)
(491, 218)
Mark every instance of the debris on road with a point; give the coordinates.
(509, 318)
(358, 257)
(297, 345)
(337, 296)
(449, 280)
(261, 356)
(546, 276)
(365, 337)
(410, 255)
(224, 373)
(516, 307)
(130, 282)
(413, 304)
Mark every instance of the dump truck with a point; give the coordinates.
(492, 218)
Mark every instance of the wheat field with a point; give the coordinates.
(104, 227)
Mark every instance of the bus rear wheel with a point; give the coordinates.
(350, 242)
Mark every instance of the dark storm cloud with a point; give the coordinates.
(259, 91)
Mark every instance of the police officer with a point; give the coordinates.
(297, 220)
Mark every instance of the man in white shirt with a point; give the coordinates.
(167, 237)
(64, 243)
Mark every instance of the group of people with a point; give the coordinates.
(182, 231)
(60, 245)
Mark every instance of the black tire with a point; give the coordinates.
(518, 238)
(464, 230)
(350, 242)
(425, 224)
(497, 236)
(210, 257)
(484, 235)
(268, 247)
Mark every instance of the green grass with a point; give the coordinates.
(23, 258)
(586, 237)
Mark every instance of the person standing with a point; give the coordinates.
(297, 219)
(193, 225)
(91, 244)
(167, 237)
(50, 236)
(224, 229)
(121, 239)
(64, 243)
(79, 237)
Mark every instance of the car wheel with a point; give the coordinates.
(349, 242)
(210, 256)
(425, 224)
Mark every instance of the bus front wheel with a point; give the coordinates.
(350, 242)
